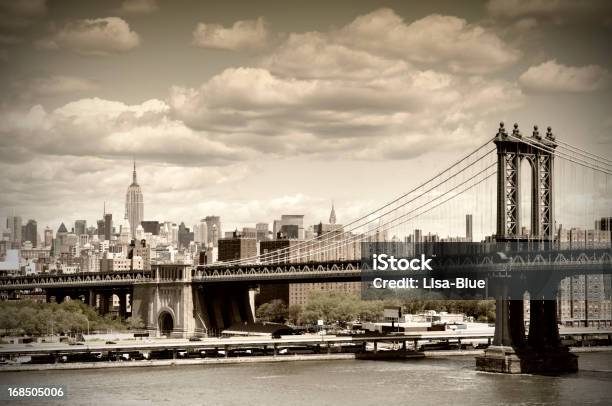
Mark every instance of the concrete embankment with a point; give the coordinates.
(453, 353)
(240, 360)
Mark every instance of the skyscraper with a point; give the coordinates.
(418, 236)
(213, 234)
(134, 205)
(294, 224)
(468, 228)
(101, 229)
(185, 236)
(108, 226)
(13, 223)
(262, 231)
(332, 215)
(31, 232)
(80, 227)
(48, 236)
(201, 235)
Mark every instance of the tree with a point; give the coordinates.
(294, 314)
(262, 311)
(275, 311)
(135, 323)
(34, 318)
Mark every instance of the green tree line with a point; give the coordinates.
(69, 317)
(342, 308)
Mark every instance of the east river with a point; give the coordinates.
(433, 381)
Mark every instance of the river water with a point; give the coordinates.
(433, 381)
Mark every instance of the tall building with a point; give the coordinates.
(249, 232)
(13, 223)
(299, 293)
(80, 227)
(418, 236)
(31, 232)
(48, 236)
(185, 236)
(293, 225)
(201, 232)
(332, 215)
(262, 231)
(276, 228)
(108, 226)
(213, 225)
(150, 226)
(584, 300)
(282, 247)
(60, 243)
(468, 228)
(101, 229)
(236, 248)
(143, 250)
(134, 205)
(605, 224)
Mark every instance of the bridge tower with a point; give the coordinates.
(510, 352)
(511, 151)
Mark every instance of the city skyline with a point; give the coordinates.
(250, 112)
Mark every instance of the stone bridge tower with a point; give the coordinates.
(171, 304)
(511, 152)
(541, 351)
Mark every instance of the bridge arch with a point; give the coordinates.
(165, 322)
(528, 196)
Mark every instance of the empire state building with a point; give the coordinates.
(134, 205)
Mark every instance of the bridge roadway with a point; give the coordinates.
(251, 342)
(563, 263)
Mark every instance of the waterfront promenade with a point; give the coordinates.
(164, 352)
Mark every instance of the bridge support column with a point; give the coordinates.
(122, 305)
(509, 338)
(167, 309)
(105, 299)
(541, 353)
(91, 298)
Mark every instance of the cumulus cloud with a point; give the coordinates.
(288, 116)
(376, 81)
(439, 39)
(242, 35)
(316, 94)
(139, 6)
(558, 11)
(320, 95)
(314, 55)
(552, 76)
(97, 127)
(101, 36)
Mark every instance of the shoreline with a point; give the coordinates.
(241, 360)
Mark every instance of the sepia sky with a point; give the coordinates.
(249, 110)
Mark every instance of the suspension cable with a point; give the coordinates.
(356, 238)
(584, 152)
(318, 239)
(562, 155)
